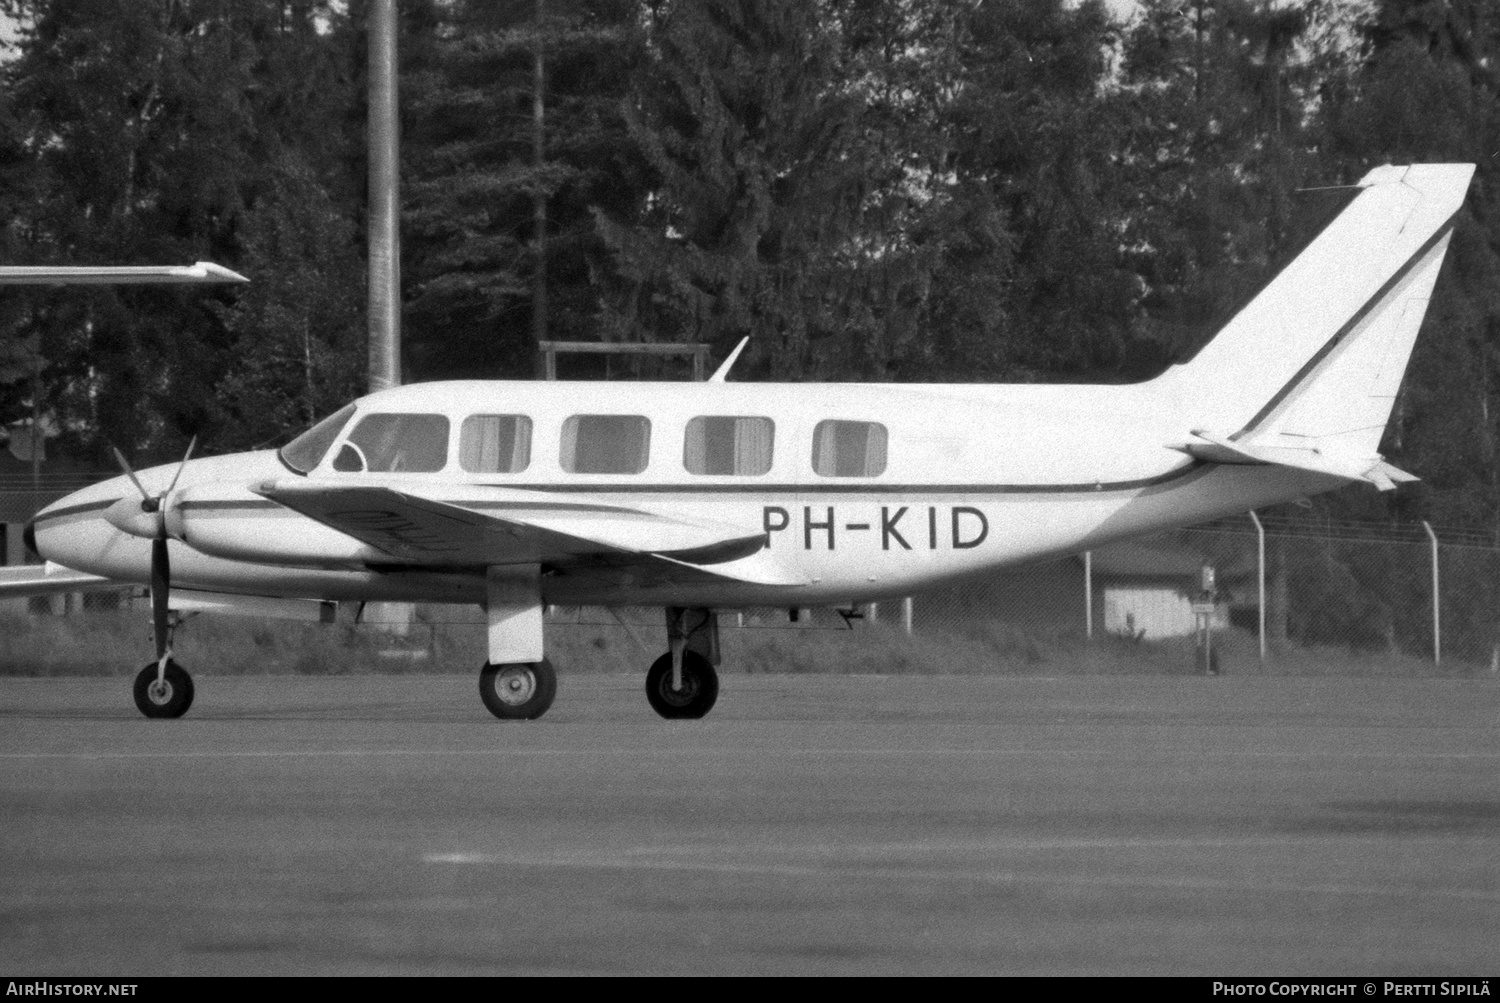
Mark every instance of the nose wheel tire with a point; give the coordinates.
(169, 698)
(700, 686)
(518, 691)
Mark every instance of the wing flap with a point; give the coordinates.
(757, 569)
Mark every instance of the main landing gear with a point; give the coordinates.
(518, 683)
(519, 690)
(682, 683)
(695, 692)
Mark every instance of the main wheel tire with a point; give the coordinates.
(171, 699)
(700, 686)
(518, 691)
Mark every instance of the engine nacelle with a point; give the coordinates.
(234, 523)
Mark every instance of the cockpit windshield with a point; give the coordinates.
(306, 451)
(396, 443)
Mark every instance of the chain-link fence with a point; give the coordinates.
(1330, 588)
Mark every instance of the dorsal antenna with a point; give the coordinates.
(724, 367)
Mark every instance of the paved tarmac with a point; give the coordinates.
(811, 824)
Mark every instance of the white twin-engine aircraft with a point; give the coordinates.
(703, 496)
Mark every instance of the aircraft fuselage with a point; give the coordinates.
(974, 478)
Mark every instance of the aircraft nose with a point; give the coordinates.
(66, 530)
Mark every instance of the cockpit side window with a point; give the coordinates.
(306, 451)
(396, 443)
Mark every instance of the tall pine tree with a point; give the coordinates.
(477, 253)
(1427, 88)
(782, 200)
(157, 133)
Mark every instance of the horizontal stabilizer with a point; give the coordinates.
(1297, 453)
(1386, 477)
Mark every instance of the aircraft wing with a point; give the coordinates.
(532, 527)
(113, 275)
(49, 579)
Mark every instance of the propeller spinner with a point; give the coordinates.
(145, 517)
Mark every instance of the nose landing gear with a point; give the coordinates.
(162, 688)
(163, 692)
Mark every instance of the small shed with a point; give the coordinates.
(1141, 588)
(1146, 589)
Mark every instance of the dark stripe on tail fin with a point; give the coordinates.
(1343, 332)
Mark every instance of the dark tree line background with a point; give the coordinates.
(884, 190)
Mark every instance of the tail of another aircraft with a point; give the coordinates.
(1307, 373)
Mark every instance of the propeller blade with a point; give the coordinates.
(186, 456)
(125, 465)
(161, 577)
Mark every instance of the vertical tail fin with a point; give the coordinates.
(1314, 362)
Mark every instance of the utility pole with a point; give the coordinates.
(385, 200)
(539, 196)
(36, 426)
(384, 129)
(1198, 53)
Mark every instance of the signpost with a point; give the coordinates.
(1204, 607)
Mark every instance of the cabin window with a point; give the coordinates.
(849, 449)
(306, 451)
(606, 443)
(396, 443)
(495, 443)
(728, 445)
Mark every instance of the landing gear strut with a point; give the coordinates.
(517, 683)
(163, 688)
(682, 683)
